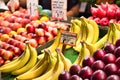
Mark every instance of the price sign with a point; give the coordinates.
(32, 7)
(83, 6)
(59, 9)
(68, 38)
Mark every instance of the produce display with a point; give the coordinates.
(97, 58)
(105, 13)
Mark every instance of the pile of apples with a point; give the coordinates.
(105, 13)
(18, 27)
(103, 65)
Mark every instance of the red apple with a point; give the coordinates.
(111, 68)
(98, 54)
(49, 36)
(109, 58)
(99, 75)
(2, 61)
(7, 55)
(41, 40)
(39, 32)
(30, 29)
(99, 64)
(33, 43)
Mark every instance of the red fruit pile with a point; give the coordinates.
(103, 65)
(105, 13)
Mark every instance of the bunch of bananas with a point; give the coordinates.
(22, 64)
(48, 68)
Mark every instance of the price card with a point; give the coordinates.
(83, 6)
(59, 9)
(68, 38)
(32, 7)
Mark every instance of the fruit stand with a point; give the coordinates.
(36, 47)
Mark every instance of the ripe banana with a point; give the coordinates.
(96, 29)
(20, 63)
(66, 61)
(83, 53)
(50, 69)
(59, 67)
(37, 70)
(32, 61)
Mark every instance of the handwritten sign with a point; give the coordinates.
(59, 9)
(32, 7)
(68, 38)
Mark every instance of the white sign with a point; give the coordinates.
(59, 9)
(68, 38)
(32, 7)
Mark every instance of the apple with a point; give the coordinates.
(111, 68)
(30, 29)
(99, 75)
(39, 32)
(75, 77)
(49, 36)
(99, 64)
(2, 61)
(109, 58)
(74, 69)
(41, 40)
(98, 54)
(118, 62)
(86, 72)
(88, 61)
(110, 48)
(7, 55)
(33, 43)
(65, 75)
(113, 77)
(16, 26)
(117, 52)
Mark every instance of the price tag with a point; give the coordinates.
(32, 7)
(59, 9)
(83, 6)
(2, 5)
(68, 38)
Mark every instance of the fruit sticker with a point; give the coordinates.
(68, 38)
(59, 9)
(32, 7)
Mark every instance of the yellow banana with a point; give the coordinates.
(83, 53)
(59, 67)
(66, 61)
(96, 29)
(100, 43)
(37, 70)
(20, 63)
(32, 61)
(50, 69)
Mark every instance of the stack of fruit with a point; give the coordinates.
(103, 65)
(105, 13)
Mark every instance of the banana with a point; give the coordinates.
(50, 69)
(32, 61)
(100, 43)
(90, 47)
(66, 61)
(20, 63)
(83, 53)
(59, 67)
(96, 29)
(89, 30)
(116, 33)
(37, 70)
